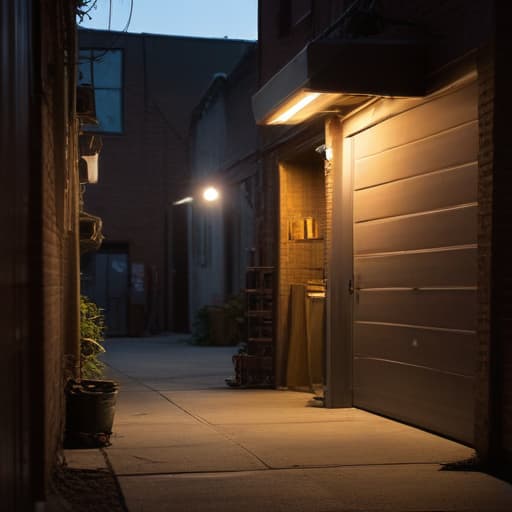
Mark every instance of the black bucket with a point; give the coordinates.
(90, 408)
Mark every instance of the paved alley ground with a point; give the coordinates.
(185, 442)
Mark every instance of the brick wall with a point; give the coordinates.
(39, 239)
(498, 110)
(302, 194)
(485, 188)
(58, 217)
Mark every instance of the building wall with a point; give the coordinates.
(223, 153)
(282, 34)
(39, 218)
(302, 194)
(495, 225)
(454, 32)
(451, 29)
(145, 168)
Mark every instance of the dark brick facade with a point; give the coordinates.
(39, 256)
(496, 108)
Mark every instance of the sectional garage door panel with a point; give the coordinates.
(415, 247)
(450, 148)
(437, 401)
(435, 268)
(432, 191)
(418, 346)
(429, 118)
(426, 230)
(449, 309)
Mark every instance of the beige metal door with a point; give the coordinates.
(415, 228)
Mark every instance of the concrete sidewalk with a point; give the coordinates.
(183, 441)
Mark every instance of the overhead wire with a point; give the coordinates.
(118, 34)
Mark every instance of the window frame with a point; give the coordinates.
(90, 128)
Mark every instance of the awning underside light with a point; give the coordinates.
(304, 104)
(338, 76)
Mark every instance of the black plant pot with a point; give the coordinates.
(90, 407)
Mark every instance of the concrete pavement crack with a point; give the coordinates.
(205, 422)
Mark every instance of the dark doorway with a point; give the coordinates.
(105, 278)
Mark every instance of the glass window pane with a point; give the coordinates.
(108, 110)
(107, 68)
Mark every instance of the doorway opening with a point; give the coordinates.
(105, 279)
(300, 344)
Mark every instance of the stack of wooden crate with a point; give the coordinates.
(255, 366)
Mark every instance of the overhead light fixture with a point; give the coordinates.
(337, 75)
(210, 194)
(302, 105)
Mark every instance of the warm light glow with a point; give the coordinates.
(210, 194)
(296, 107)
(184, 200)
(302, 105)
(328, 154)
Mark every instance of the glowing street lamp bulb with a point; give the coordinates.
(210, 194)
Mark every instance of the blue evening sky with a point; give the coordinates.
(236, 19)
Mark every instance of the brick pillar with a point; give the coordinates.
(485, 188)
(493, 432)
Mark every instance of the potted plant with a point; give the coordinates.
(90, 402)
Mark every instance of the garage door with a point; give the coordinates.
(415, 227)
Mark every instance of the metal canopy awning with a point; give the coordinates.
(340, 75)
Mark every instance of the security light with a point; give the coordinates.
(210, 194)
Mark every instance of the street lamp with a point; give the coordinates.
(210, 194)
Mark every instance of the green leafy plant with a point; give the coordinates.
(92, 330)
(220, 325)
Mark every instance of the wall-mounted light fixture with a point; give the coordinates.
(302, 105)
(325, 152)
(210, 194)
(338, 76)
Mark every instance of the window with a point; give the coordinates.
(102, 69)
